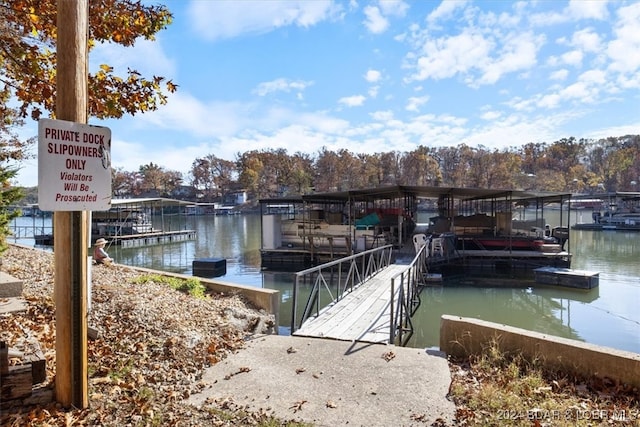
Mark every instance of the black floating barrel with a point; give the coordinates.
(209, 267)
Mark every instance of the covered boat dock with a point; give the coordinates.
(469, 225)
(141, 222)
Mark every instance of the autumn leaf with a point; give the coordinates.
(28, 60)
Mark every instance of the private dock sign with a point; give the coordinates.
(74, 166)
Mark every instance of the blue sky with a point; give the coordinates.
(377, 76)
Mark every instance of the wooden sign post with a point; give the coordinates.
(70, 228)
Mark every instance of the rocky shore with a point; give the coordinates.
(152, 347)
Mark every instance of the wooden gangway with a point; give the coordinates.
(365, 297)
(363, 314)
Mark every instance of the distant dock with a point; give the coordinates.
(127, 224)
(153, 238)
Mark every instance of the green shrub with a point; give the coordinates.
(191, 286)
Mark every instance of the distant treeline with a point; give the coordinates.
(572, 165)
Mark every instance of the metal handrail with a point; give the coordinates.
(28, 231)
(408, 300)
(345, 273)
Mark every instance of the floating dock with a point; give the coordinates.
(209, 267)
(153, 238)
(515, 258)
(606, 227)
(567, 278)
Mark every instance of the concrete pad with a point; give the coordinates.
(338, 382)
(12, 305)
(9, 286)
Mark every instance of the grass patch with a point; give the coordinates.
(495, 388)
(191, 286)
(123, 371)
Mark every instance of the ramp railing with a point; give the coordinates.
(23, 232)
(328, 283)
(405, 297)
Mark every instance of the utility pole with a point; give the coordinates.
(70, 229)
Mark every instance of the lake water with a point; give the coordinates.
(608, 315)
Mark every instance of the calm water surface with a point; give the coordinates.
(608, 315)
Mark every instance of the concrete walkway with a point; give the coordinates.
(331, 383)
(12, 305)
(11, 300)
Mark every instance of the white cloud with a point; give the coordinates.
(200, 119)
(217, 120)
(630, 129)
(130, 156)
(490, 115)
(373, 76)
(281, 85)
(320, 122)
(549, 101)
(445, 10)
(587, 40)
(415, 102)
(445, 57)
(471, 52)
(576, 10)
(247, 129)
(223, 19)
(559, 74)
(503, 20)
(393, 7)
(553, 61)
(623, 50)
(573, 57)
(548, 19)
(518, 53)
(585, 90)
(382, 115)
(375, 22)
(578, 90)
(352, 101)
(631, 81)
(146, 57)
(304, 139)
(594, 77)
(580, 9)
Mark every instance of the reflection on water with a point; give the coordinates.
(236, 238)
(546, 310)
(608, 315)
